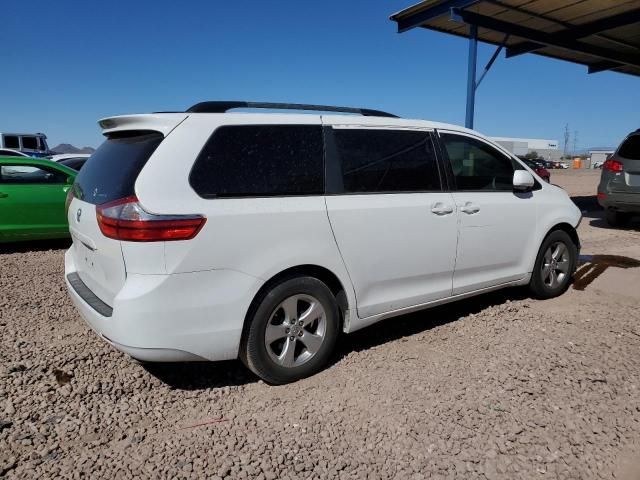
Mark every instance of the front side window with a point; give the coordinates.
(27, 174)
(42, 144)
(11, 141)
(30, 143)
(386, 161)
(260, 160)
(477, 165)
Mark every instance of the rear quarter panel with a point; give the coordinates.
(256, 236)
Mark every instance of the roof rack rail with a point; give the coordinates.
(224, 106)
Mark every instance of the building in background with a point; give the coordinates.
(599, 156)
(547, 149)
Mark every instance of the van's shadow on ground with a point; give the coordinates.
(203, 375)
(35, 246)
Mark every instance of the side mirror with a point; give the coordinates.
(522, 180)
(70, 180)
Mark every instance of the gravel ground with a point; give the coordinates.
(499, 386)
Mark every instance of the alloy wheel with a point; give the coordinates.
(296, 330)
(555, 265)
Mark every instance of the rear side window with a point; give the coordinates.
(111, 171)
(260, 160)
(630, 148)
(30, 142)
(11, 141)
(386, 161)
(476, 165)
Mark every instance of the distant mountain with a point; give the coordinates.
(68, 148)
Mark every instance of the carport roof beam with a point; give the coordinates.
(588, 32)
(544, 39)
(570, 31)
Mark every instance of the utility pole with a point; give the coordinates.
(575, 143)
(567, 135)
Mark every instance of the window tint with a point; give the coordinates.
(30, 142)
(260, 160)
(11, 141)
(111, 171)
(476, 165)
(26, 174)
(630, 148)
(386, 160)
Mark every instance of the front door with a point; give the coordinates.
(394, 225)
(496, 223)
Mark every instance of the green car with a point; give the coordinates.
(32, 198)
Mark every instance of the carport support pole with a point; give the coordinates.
(471, 75)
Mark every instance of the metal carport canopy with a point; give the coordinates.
(601, 34)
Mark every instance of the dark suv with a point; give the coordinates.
(619, 189)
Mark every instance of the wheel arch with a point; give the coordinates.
(568, 229)
(337, 287)
(559, 225)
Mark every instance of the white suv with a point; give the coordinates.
(207, 235)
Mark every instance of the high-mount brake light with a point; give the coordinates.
(126, 220)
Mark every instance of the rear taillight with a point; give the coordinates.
(69, 199)
(613, 166)
(125, 219)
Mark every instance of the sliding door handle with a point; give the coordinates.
(440, 208)
(470, 208)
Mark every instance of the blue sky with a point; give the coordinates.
(68, 63)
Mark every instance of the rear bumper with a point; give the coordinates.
(170, 318)
(625, 202)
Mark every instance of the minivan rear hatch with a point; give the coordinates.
(109, 175)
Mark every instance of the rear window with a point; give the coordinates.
(111, 172)
(630, 148)
(260, 160)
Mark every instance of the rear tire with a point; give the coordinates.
(292, 331)
(615, 218)
(555, 265)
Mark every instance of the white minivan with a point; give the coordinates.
(209, 235)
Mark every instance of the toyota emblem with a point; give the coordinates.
(78, 214)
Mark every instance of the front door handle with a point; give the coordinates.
(3, 195)
(470, 208)
(440, 208)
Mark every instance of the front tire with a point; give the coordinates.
(292, 331)
(555, 265)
